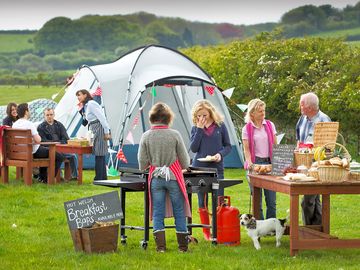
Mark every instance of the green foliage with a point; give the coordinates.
(163, 34)
(99, 33)
(311, 14)
(279, 71)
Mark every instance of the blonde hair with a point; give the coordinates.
(161, 113)
(253, 105)
(207, 105)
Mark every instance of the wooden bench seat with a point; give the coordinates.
(17, 151)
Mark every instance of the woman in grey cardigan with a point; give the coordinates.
(163, 151)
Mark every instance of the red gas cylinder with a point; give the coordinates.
(228, 225)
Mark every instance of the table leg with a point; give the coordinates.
(256, 202)
(122, 221)
(189, 219)
(146, 217)
(80, 168)
(214, 216)
(294, 223)
(325, 213)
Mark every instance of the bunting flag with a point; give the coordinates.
(130, 138)
(97, 92)
(70, 79)
(136, 121)
(210, 89)
(153, 91)
(169, 85)
(228, 92)
(54, 96)
(242, 107)
(121, 156)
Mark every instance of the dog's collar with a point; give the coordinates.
(252, 224)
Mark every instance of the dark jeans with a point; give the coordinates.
(311, 210)
(73, 164)
(100, 168)
(43, 152)
(270, 196)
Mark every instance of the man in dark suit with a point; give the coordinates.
(53, 131)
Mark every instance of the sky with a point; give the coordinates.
(33, 14)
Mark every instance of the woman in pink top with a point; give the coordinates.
(258, 137)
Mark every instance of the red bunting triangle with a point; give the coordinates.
(210, 89)
(121, 156)
(97, 92)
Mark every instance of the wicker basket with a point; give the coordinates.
(333, 173)
(354, 176)
(325, 132)
(305, 159)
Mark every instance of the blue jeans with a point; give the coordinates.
(270, 198)
(73, 164)
(203, 197)
(159, 188)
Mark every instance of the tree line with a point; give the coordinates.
(278, 71)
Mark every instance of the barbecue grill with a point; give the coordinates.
(196, 179)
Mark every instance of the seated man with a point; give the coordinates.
(53, 131)
(38, 151)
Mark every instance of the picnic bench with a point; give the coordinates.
(17, 151)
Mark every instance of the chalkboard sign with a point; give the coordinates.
(282, 157)
(85, 211)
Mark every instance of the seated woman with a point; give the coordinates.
(12, 116)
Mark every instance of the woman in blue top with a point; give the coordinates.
(209, 139)
(94, 115)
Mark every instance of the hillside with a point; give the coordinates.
(11, 42)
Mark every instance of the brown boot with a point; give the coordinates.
(182, 239)
(160, 241)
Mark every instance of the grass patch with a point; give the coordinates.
(42, 240)
(338, 33)
(15, 42)
(22, 93)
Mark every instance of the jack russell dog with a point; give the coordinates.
(258, 228)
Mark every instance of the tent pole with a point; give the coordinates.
(182, 117)
(203, 90)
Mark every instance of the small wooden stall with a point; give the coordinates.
(313, 236)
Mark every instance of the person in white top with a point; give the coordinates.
(38, 151)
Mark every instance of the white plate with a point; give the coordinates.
(307, 179)
(205, 160)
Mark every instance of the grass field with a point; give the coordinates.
(21, 93)
(15, 42)
(41, 239)
(339, 33)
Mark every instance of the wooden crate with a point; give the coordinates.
(97, 239)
